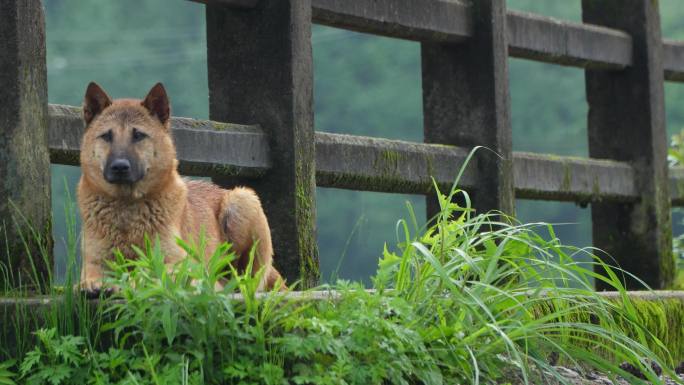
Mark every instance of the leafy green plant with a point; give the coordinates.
(498, 295)
(64, 310)
(55, 360)
(6, 373)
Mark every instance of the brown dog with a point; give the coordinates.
(130, 189)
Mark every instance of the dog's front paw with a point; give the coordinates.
(90, 284)
(92, 289)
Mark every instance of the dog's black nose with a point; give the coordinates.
(121, 171)
(120, 166)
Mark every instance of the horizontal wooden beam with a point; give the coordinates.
(230, 3)
(362, 163)
(530, 36)
(677, 185)
(207, 148)
(434, 20)
(551, 40)
(673, 60)
(373, 164)
(210, 148)
(563, 178)
(204, 147)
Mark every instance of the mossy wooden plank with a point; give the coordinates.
(209, 148)
(435, 20)
(374, 164)
(530, 36)
(551, 40)
(205, 147)
(673, 60)
(230, 3)
(567, 178)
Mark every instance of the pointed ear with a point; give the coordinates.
(157, 103)
(95, 101)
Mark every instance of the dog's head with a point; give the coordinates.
(127, 150)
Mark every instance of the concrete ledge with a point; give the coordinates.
(40, 301)
(661, 312)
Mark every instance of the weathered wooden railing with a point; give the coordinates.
(260, 78)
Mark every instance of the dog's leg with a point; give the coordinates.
(92, 269)
(243, 224)
(91, 276)
(273, 279)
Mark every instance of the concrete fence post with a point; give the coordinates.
(466, 102)
(25, 232)
(261, 72)
(627, 123)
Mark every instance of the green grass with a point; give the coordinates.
(470, 299)
(676, 158)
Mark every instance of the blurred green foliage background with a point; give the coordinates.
(364, 85)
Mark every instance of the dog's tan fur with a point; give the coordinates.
(161, 204)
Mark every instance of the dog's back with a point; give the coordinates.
(231, 215)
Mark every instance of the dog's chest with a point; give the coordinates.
(124, 223)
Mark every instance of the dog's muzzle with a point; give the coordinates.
(121, 171)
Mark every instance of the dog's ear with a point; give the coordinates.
(95, 101)
(157, 103)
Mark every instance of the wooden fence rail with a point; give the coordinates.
(207, 148)
(260, 79)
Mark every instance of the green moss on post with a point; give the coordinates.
(567, 178)
(596, 189)
(387, 163)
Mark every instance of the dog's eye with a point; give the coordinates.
(138, 135)
(107, 136)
